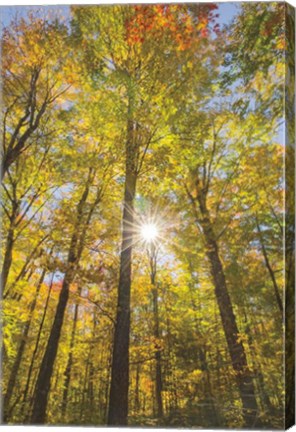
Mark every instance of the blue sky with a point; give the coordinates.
(226, 11)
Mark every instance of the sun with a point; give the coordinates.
(149, 232)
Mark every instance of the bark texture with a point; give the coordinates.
(235, 347)
(46, 369)
(17, 362)
(118, 402)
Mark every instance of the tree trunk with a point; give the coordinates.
(152, 254)
(83, 385)
(107, 387)
(90, 391)
(17, 362)
(26, 391)
(269, 268)
(7, 258)
(46, 369)
(235, 346)
(118, 403)
(213, 418)
(68, 369)
(158, 372)
(137, 390)
(173, 397)
(257, 368)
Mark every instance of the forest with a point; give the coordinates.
(147, 177)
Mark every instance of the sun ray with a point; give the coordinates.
(149, 232)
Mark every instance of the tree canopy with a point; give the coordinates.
(143, 204)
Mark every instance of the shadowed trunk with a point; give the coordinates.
(235, 346)
(35, 351)
(7, 259)
(158, 373)
(31, 120)
(211, 409)
(258, 372)
(118, 402)
(17, 362)
(269, 268)
(46, 369)
(68, 369)
(137, 390)
(290, 220)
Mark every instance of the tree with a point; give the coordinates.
(115, 117)
(81, 223)
(135, 62)
(35, 54)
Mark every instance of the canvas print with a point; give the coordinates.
(148, 215)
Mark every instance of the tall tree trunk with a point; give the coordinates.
(90, 391)
(202, 358)
(256, 364)
(108, 382)
(7, 260)
(46, 369)
(26, 391)
(118, 402)
(269, 268)
(158, 372)
(83, 386)
(137, 390)
(68, 369)
(17, 362)
(258, 371)
(152, 254)
(173, 397)
(235, 346)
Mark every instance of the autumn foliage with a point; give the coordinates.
(172, 23)
(146, 194)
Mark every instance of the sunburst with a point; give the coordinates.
(149, 232)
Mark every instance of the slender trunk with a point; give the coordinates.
(107, 388)
(173, 399)
(46, 369)
(201, 352)
(269, 268)
(7, 260)
(153, 407)
(18, 142)
(152, 254)
(90, 391)
(118, 402)
(17, 362)
(218, 362)
(235, 346)
(25, 394)
(68, 369)
(83, 386)
(258, 371)
(158, 372)
(137, 390)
